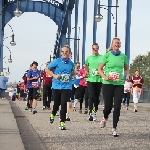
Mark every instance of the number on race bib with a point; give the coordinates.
(95, 72)
(114, 76)
(34, 84)
(65, 78)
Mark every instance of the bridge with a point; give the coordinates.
(60, 13)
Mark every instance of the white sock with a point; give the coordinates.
(75, 102)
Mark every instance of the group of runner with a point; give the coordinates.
(66, 83)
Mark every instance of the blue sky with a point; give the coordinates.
(35, 35)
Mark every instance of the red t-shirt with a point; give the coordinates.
(47, 79)
(21, 87)
(137, 81)
(83, 81)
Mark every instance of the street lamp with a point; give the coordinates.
(18, 12)
(99, 17)
(10, 59)
(13, 43)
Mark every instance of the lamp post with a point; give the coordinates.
(10, 59)
(18, 12)
(52, 57)
(78, 39)
(99, 17)
(13, 43)
(41, 66)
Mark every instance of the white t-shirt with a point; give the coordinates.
(127, 86)
(12, 91)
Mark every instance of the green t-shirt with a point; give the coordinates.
(93, 62)
(114, 66)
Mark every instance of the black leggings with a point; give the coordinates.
(110, 93)
(75, 93)
(126, 98)
(83, 92)
(47, 92)
(94, 89)
(60, 97)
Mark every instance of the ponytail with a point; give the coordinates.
(107, 50)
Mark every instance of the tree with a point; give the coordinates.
(142, 63)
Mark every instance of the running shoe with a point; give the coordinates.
(43, 108)
(30, 109)
(91, 118)
(85, 111)
(48, 108)
(57, 114)
(68, 118)
(135, 110)
(52, 118)
(94, 117)
(127, 108)
(62, 126)
(103, 123)
(74, 109)
(34, 111)
(26, 108)
(80, 111)
(114, 133)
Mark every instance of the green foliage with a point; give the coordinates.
(142, 63)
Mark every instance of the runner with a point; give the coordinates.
(22, 89)
(113, 84)
(83, 89)
(61, 69)
(75, 91)
(127, 89)
(94, 81)
(47, 92)
(137, 82)
(18, 90)
(33, 85)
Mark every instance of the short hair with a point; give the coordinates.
(95, 44)
(34, 63)
(77, 62)
(67, 46)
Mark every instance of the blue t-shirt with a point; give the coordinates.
(63, 68)
(35, 82)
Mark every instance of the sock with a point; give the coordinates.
(75, 102)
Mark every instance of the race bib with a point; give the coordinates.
(114, 76)
(95, 72)
(35, 84)
(65, 77)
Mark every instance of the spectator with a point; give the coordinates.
(3, 86)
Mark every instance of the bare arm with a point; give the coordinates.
(126, 70)
(87, 68)
(51, 73)
(101, 71)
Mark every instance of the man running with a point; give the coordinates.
(94, 81)
(33, 85)
(61, 69)
(137, 82)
